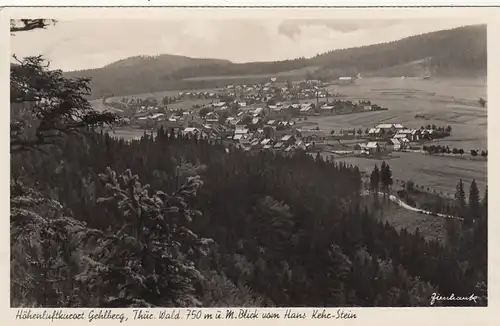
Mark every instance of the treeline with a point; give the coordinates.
(441, 149)
(449, 50)
(460, 51)
(283, 231)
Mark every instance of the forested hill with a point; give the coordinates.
(455, 52)
(449, 52)
(139, 73)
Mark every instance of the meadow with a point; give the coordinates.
(430, 227)
(444, 102)
(434, 172)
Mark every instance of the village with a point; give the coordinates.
(270, 117)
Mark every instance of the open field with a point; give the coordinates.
(435, 172)
(187, 103)
(461, 110)
(128, 133)
(431, 227)
(445, 102)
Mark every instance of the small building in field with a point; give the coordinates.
(373, 147)
(345, 80)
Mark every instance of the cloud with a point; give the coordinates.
(292, 28)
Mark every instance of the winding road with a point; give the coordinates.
(404, 205)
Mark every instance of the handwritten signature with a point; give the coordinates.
(436, 297)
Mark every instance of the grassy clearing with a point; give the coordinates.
(128, 133)
(431, 227)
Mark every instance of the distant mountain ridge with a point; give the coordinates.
(455, 52)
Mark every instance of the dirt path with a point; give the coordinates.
(404, 205)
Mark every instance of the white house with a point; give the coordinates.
(373, 147)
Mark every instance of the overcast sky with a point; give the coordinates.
(83, 44)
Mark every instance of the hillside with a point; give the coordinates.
(153, 72)
(455, 52)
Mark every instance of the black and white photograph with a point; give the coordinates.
(248, 162)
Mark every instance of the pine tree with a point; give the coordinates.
(460, 199)
(386, 177)
(474, 204)
(375, 179)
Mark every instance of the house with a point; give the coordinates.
(395, 144)
(346, 80)
(405, 143)
(288, 139)
(281, 113)
(375, 132)
(327, 109)
(278, 145)
(212, 117)
(256, 120)
(416, 135)
(240, 131)
(373, 147)
(254, 143)
(306, 109)
(258, 112)
(219, 105)
(267, 142)
(243, 139)
(410, 134)
(191, 131)
(157, 116)
(234, 122)
(386, 128)
(300, 144)
(401, 137)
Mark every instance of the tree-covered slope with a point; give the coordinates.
(460, 51)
